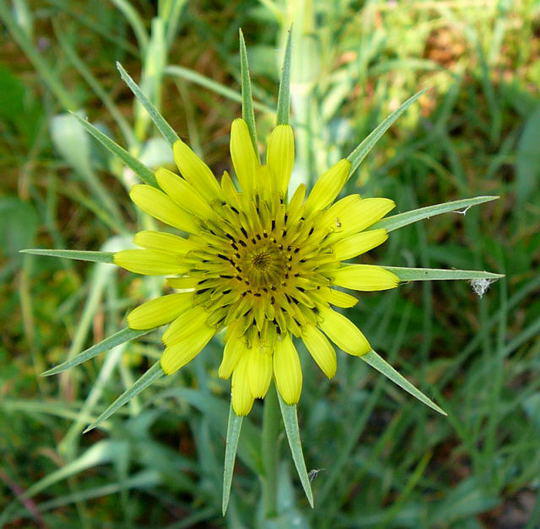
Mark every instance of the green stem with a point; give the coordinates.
(270, 452)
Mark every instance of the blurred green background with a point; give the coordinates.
(384, 460)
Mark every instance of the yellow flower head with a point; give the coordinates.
(256, 263)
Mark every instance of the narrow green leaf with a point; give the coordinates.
(95, 257)
(231, 446)
(125, 335)
(432, 274)
(409, 217)
(159, 121)
(375, 361)
(247, 98)
(290, 420)
(284, 94)
(218, 88)
(140, 169)
(153, 374)
(363, 149)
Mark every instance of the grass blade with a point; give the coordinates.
(141, 384)
(378, 363)
(231, 446)
(140, 169)
(247, 97)
(284, 94)
(409, 217)
(290, 420)
(125, 335)
(95, 257)
(432, 274)
(159, 121)
(363, 149)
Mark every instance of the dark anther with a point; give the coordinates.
(302, 261)
(296, 250)
(311, 230)
(227, 291)
(273, 225)
(253, 240)
(224, 257)
(235, 210)
(242, 243)
(202, 291)
(297, 274)
(272, 300)
(229, 236)
(242, 229)
(284, 233)
(265, 235)
(301, 289)
(286, 218)
(257, 294)
(237, 255)
(223, 276)
(258, 236)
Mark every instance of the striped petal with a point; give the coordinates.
(185, 325)
(287, 370)
(160, 206)
(343, 332)
(243, 156)
(195, 171)
(259, 371)
(159, 311)
(359, 243)
(159, 240)
(182, 352)
(241, 397)
(365, 278)
(280, 156)
(183, 193)
(328, 186)
(320, 349)
(149, 262)
(235, 348)
(353, 214)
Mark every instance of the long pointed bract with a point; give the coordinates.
(83, 255)
(284, 94)
(381, 365)
(231, 446)
(290, 420)
(159, 121)
(141, 384)
(395, 222)
(369, 142)
(247, 97)
(125, 335)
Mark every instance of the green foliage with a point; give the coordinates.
(377, 457)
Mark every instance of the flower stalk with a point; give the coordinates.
(270, 452)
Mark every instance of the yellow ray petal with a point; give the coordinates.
(320, 349)
(241, 397)
(182, 352)
(159, 311)
(183, 193)
(160, 206)
(287, 370)
(338, 298)
(280, 156)
(186, 324)
(353, 214)
(365, 277)
(243, 156)
(343, 332)
(182, 282)
(150, 262)
(195, 171)
(259, 371)
(235, 348)
(159, 240)
(359, 243)
(328, 186)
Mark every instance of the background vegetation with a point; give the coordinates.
(385, 460)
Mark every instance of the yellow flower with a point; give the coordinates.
(256, 263)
